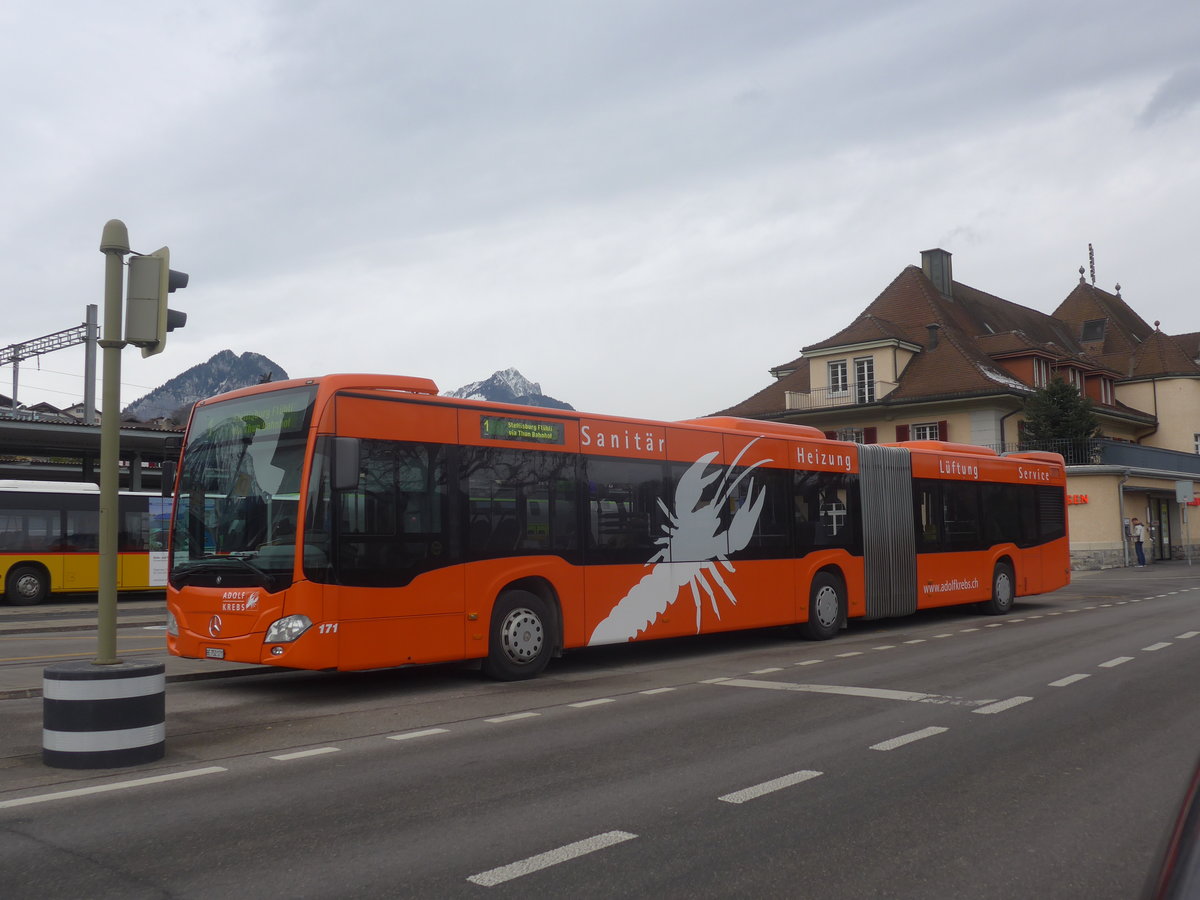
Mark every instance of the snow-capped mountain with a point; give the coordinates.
(508, 386)
(224, 372)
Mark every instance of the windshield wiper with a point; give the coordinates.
(215, 563)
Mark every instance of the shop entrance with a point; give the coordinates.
(1160, 511)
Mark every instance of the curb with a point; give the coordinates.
(91, 626)
(30, 693)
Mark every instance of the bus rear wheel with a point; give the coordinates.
(826, 606)
(26, 586)
(1003, 591)
(520, 644)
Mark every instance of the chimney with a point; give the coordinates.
(933, 335)
(936, 266)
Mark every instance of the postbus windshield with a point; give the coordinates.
(239, 491)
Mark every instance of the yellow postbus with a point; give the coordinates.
(49, 540)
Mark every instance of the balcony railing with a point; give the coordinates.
(1102, 452)
(854, 394)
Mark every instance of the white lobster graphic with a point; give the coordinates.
(692, 534)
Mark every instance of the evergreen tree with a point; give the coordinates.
(1059, 418)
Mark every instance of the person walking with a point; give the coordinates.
(1139, 535)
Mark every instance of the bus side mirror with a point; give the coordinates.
(345, 463)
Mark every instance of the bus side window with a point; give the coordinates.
(925, 515)
(33, 530)
(83, 529)
(826, 511)
(624, 518)
(519, 501)
(771, 538)
(391, 525)
(134, 528)
(960, 515)
(10, 532)
(1002, 519)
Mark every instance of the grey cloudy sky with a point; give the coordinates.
(641, 204)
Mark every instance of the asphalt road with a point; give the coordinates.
(1040, 754)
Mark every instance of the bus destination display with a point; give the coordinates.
(504, 428)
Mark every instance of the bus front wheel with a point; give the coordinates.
(519, 645)
(27, 586)
(1003, 591)
(826, 606)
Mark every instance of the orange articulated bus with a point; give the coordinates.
(363, 521)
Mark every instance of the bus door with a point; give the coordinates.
(80, 545)
(519, 514)
(399, 596)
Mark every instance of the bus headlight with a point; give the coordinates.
(287, 629)
(172, 624)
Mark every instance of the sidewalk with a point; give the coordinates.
(21, 678)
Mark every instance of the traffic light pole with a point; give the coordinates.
(108, 713)
(114, 244)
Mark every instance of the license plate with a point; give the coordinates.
(214, 652)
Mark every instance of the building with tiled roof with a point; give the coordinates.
(931, 358)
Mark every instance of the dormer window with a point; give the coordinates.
(1093, 330)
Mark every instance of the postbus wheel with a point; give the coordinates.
(520, 644)
(826, 606)
(1004, 591)
(27, 586)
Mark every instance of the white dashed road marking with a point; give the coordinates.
(493, 877)
(1070, 679)
(301, 754)
(408, 736)
(1115, 662)
(768, 787)
(1000, 707)
(908, 738)
(511, 717)
(116, 786)
(1161, 645)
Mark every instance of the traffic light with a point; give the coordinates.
(147, 319)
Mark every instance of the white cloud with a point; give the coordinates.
(642, 205)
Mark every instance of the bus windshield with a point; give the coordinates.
(239, 491)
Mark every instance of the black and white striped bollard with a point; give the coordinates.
(103, 716)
